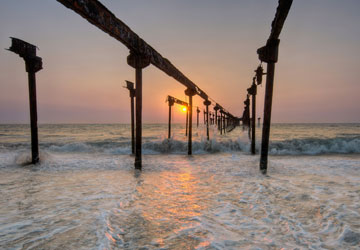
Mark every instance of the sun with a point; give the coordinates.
(184, 109)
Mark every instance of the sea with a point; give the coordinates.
(86, 194)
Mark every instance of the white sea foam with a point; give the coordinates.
(206, 201)
(285, 140)
(288, 147)
(309, 146)
(86, 194)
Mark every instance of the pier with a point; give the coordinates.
(141, 55)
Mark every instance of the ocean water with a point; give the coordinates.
(85, 193)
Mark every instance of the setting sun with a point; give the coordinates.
(184, 109)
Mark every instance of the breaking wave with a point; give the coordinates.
(308, 146)
(316, 146)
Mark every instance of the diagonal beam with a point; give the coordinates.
(282, 12)
(97, 14)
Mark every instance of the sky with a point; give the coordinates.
(212, 42)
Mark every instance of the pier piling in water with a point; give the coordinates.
(252, 91)
(138, 61)
(33, 64)
(223, 123)
(246, 113)
(220, 121)
(216, 108)
(190, 93)
(269, 54)
(197, 116)
(207, 103)
(267, 115)
(130, 87)
(187, 122)
(171, 103)
(173, 100)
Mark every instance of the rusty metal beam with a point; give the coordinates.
(98, 15)
(177, 101)
(282, 12)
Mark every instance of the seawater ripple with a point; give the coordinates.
(214, 201)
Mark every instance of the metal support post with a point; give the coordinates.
(207, 103)
(33, 64)
(268, 54)
(190, 93)
(138, 62)
(130, 87)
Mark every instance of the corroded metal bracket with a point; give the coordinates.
(190, 92)
(259, 74)
(207, 102)
(28, 52)
(253, 89)
(269, 53)
(130, 87)
(138, 61)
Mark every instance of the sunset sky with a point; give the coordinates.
(212, 42)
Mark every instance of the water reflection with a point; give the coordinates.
(164, 206)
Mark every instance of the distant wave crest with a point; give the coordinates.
(316, 146)
(308, 146)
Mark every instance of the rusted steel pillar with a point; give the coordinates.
(187, 121)
(216, 108)
(130, 87)
(252, 91)
(197, 116)
(246, 113)
(138, 62)
(171, 103)
(224, 125)
(33, 112)
(207, 103)
(253, 122)
(33, 64)
(132, 123)
(268, 54)
(220, 122)
(169, 126)
(190, 92)
(225, 121)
